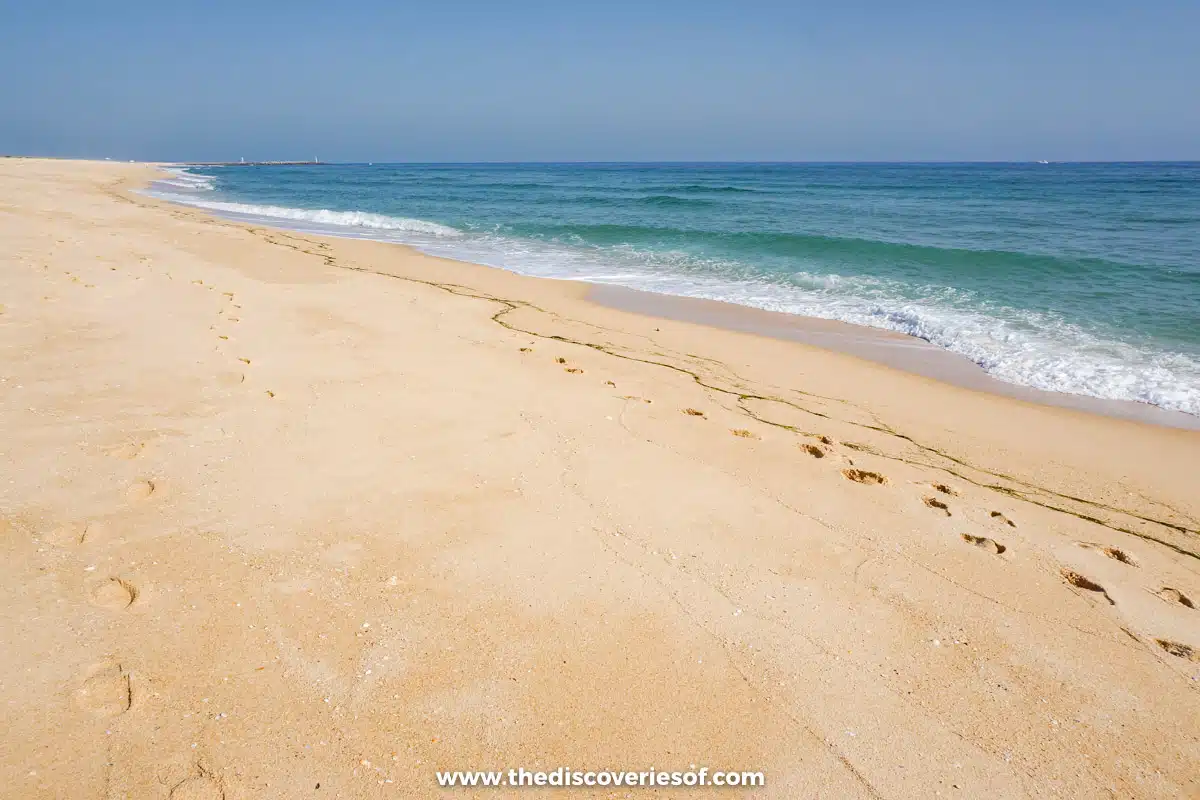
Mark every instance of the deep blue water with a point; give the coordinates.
(1079, 278)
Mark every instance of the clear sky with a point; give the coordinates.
(601, 81)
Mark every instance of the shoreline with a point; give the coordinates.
(291, 510)
(888, 348)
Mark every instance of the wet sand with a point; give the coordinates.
(888, 348)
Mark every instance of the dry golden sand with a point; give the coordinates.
(281, 511)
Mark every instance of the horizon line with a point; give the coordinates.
(287, 162)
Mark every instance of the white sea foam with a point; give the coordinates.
(182, 179)
(327, 219)
(1027, 348)
(1033, 349)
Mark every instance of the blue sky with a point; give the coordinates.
(666, 80)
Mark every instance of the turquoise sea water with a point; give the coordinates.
(1081, 278)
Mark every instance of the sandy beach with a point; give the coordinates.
(291, 516)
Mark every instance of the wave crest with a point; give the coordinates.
(182, 179)
(341, 219)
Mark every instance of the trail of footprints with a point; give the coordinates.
(106, 688)
(938, 500)
(235, 378)
(1167, 594)
(823, 447)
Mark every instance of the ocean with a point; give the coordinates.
(1077, 278)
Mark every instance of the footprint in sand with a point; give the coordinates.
(69, 533)
(1175, 597)
(105, 691)
(140, 491)
(996, 515)
(197, 787)
(743, 433)
(574, 370)
(114, 594)
(1081, 582)
(635, 397)
(984, 543)
(813, 450)
(560, 360)
(78, 533)
(610, 383)
(944, 489)
(1179, 650)
(127, 451)
(933, 502)
(526, 349)
(864, 476)
(1111, 552)
(691, 412)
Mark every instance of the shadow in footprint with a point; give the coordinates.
(197, 787)
(105, 691)
(140, 490)
(70, 533)
(984, 543)
(114, 594)
(1175, 596)
(864, 476)
(1178, 649)
(933, 502)
(996, 515)
(1081, 582)
(1111, 552)
(943, 488)
(813, 450)
(691, 412)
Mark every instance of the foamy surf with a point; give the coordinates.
(337, 219)
(329, 221)
(181, 179)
